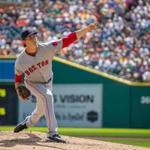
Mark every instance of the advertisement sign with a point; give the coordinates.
(76, 105)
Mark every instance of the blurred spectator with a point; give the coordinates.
(121, 45)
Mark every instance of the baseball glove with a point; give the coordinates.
(23, 92)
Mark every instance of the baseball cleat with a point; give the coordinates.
(20, 127)
(55, 138)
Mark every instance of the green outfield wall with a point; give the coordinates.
(125, 104)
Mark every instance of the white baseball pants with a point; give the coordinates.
(44, 106)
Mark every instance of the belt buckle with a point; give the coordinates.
(48, 81)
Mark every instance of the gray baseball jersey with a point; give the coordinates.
(39, 67)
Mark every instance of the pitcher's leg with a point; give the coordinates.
(36, 114)
(44, 93)
(50, 114)
(33, 118)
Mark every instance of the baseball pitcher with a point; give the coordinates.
(35, 63)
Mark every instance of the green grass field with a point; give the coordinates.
(138, 137)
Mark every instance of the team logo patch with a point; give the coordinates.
(54, 44)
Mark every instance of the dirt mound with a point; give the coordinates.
(35, 141)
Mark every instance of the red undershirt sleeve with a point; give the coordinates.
(18, 78)
(66, 41)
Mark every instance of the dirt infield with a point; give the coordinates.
(35, 141)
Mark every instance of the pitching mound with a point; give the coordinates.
(35, 141)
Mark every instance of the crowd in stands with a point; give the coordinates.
(120, 46)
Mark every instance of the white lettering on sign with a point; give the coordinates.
(145, 100)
